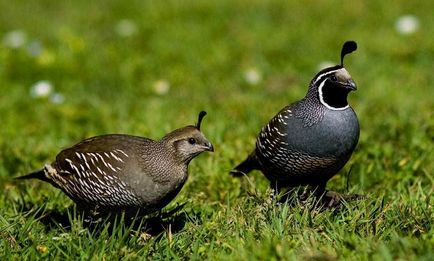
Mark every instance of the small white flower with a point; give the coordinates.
(407, 24)
(126, 28)
(325, 64)
(41, 89)
(252, 76)
(15, 39)
(57, 98)
(161, 87)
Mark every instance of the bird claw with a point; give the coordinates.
(334, 199)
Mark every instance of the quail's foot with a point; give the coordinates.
(326, 198)
(334, 199)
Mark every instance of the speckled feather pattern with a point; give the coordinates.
(120, 172)
(88, 177)
(277, 158)
(309, 110)
(307, 142)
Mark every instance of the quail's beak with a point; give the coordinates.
(350, 84)
(208, 146)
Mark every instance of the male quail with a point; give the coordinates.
(121, 172)
(310, 140)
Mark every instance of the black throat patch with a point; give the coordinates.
(334, 95)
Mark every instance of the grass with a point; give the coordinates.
(203, 50)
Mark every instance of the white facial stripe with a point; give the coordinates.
(321, 99)
(324, 74)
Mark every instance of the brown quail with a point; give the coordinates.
(121, 172)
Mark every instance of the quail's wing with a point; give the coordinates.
(275, 133)
(92, 170)
(280, 145)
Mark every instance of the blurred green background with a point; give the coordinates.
(75, 69)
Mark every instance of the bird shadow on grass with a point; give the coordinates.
(153, 225)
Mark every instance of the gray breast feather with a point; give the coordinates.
(287, 147)
(336, 134)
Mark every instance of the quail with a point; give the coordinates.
(310, 140)
(122, 172)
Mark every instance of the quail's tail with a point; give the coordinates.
(246, 166)
(39, 174)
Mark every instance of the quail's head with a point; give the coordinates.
(332, 85)
(188, 142)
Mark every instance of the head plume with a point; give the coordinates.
(200, 118)
(348, 47)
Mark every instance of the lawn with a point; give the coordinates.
(76, 69)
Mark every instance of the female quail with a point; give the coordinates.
(122, 172)
(309, 141)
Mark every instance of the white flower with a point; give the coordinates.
(407, 24)
(126, 28)
(15, 39)
(57, 98)
(41, 89)
(252, 76)
(161, 87)
(325, 64)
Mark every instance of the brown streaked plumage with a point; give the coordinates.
(123, 172)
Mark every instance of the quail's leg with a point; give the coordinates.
(332, 198)
(328, 198)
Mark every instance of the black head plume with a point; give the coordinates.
(199, 120)
(348, 47)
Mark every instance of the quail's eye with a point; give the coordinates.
(192, 141)
(333, 78)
